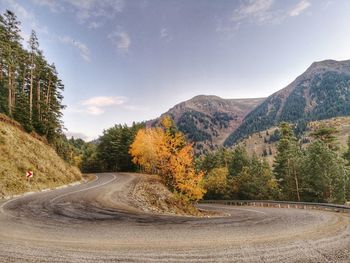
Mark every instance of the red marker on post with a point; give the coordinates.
(29, 174)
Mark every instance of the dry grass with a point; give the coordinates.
(21, 152)
(150, 195)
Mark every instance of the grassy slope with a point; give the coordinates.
(255, 142)
(20, 152)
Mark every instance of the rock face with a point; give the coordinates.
(321, 92)
(208, 120)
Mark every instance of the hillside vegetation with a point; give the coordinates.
(264, 143)
(315, 172)
(321, 92)
(21, 152)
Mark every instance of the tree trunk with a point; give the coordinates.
(31, 92)
(38, 100)
(48, 93)
(9, 92)
(13, 90)
(296, 183)
(24, 81)
(1, 73)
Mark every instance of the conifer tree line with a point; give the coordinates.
(30, 89)
(315, 173)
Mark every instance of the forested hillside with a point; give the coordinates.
(208, 120)
(313, 171)
(30, 116)
(30, 89)
(322, 92)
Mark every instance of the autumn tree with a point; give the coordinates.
(164, 151)
(216, 184)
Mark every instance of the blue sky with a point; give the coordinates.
(131, 60)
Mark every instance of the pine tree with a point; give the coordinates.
(346, 155)
(11, 47)
(326, 135)
(30, 89)
(325, 174)
(287, 164)
(33, 49)
(239, 160)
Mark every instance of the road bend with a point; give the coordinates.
(97, 222)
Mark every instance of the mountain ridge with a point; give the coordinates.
(207, 120)
(321, 92)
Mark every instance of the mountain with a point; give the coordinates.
(21, 152)
(321, 92)
(208, 120)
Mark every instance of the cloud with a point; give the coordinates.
(95, 25)
(254, 9)
(164, 34)
(121, 40)
(85, 10)
(299, 8)
(96, 8)
(258, 12)
(97, 105)
(100, 104)
(103, 101)
(54, 5)
(82, 48)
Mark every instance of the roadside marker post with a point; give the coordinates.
(29, 175)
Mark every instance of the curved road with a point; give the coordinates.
(96, 222)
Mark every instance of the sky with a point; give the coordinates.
(132, 60)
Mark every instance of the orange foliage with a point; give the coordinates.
(187, 180)
(164, 151)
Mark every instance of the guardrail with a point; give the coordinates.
(281, 204)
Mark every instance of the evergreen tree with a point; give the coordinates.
(326, 135)
(255, 181)
(30, 90)
(346, 155)
(238, 161)
(113, 148)
(325, 174)
(11, 46)
(287, 164)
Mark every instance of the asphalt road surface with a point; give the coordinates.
(95, 222)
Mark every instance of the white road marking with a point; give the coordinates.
(26, 194)
(81, 190)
